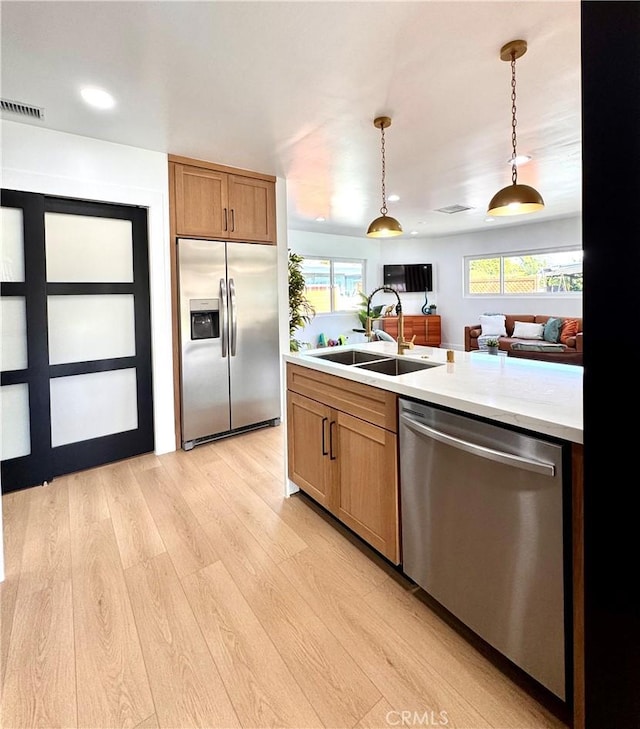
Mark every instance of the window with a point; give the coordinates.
(555, 271)
(333, 284)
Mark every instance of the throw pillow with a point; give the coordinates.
(493, 325)
(551, 331)
(527, 330)
(542, 347)
(569, 329)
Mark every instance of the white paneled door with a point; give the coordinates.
(76, 338)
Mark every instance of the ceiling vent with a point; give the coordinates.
(451, 209)
(17, 107)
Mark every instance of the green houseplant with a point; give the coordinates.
(301, 312)
(374, 311)
(492, 344)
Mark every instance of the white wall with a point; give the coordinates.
(338, 246)
(446, 254)
(54, 163)
(283, 285)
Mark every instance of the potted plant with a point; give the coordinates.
(492, 345)
(374, 311)
(301, 312)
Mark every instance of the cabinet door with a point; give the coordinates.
(308, 447)
(367, 482)
(251, 209)
(426, 329)
(201, 202)
(433, 330)
(390, 326)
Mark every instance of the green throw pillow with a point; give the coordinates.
(551, 331)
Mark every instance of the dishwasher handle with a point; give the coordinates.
(546, 469)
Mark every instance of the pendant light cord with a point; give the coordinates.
(383, 209)
(514, 199)
(514, 167)
(384, 226)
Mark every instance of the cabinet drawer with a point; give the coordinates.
(368, 403)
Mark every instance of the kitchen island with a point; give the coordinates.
(343, 437)
(542, 397)
(342, 421)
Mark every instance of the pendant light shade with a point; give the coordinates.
(384, 226)
(515, 199)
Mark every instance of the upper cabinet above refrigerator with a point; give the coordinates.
(214, 201)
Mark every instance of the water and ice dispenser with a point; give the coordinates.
(205, 318)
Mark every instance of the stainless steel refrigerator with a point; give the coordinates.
(230, 362)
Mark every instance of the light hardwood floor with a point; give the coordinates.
(185, 591)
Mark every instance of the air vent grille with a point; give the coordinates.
(17, 107)
(451, 209)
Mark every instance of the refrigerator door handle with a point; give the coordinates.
(225, 329)
(234, 317)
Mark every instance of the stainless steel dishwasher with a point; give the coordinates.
(482, 532)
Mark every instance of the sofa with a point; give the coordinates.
(567, 351)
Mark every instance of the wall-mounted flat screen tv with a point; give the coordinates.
(409, 276)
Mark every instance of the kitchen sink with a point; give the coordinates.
(397, 366)
(349, 356)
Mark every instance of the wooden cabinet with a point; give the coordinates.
(253, 209)
(366, 482)
(308, 438)
(212, 201)
(342, 451)
(426, 328)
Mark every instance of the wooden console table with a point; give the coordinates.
(426, 328)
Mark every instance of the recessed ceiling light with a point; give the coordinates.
(519, 159)
(320, 219)
(452, 209)
(393, 198)
(413, 232)
(98, 98)
(489, 220)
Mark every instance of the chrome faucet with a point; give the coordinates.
(403, 344)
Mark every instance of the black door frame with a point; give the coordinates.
(35, 467)
(45, 462)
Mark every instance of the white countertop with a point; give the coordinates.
(543, 397)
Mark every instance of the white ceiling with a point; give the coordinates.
(292, 88)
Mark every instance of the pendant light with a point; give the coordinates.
(385, 226)
(515, 199)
